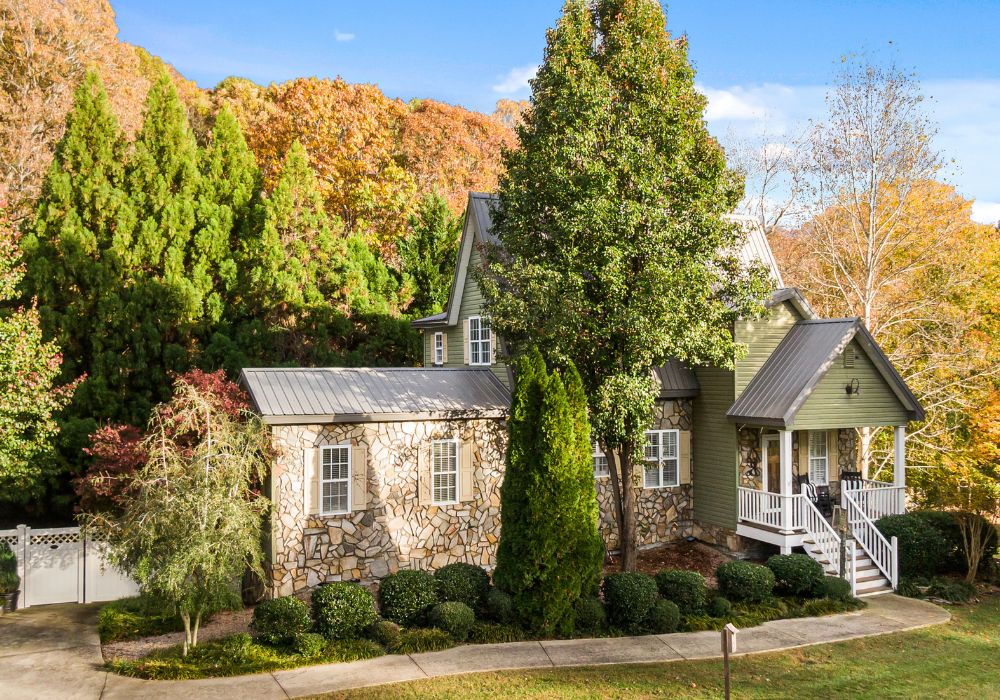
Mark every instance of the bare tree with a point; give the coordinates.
(772, 169)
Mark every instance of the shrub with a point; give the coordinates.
(720, 607)
(239, 648)
(278, 621)
(822, 606)
(946, 523)
(385, 632)
(419, 640)
(131, 618)
(629, 595)
(797, 574)
(685, 588)
(922, 549)
(743, 581)
(590, 615)
(702, 623)
(309, 644)
(462, 583)
(342, 610)
(454, 618)
(9, 580)
(406, 596)
(951, 590)
(663, 617)
(834, 588)
(499, 606)
(346, 650)
(494, 633)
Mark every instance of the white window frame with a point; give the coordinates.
(438, 348)
(480, 348)
(324, 481)
(599, 458)
(457, 472)
(819, 438)
(654, 453)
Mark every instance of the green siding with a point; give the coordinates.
(716, 450)
(762, 336)
(829, 405)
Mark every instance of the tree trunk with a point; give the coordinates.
(186, 619)
(623, 498)
(194, 633)
(974, 543)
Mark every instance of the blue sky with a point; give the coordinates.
(762, 64)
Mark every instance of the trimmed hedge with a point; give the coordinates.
(385, 632)
(922, 549)
(629, 596)
(342, 610)
(663, 617)
(745, 582)
(685, 588)
(720, 607)
(796, 574)
(590, 615)
(462, 583)
(835, 588)
(454, 618)
(499, 607)
(406, 596)
(278, 621)
(309, 644)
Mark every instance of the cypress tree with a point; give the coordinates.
(428, 253)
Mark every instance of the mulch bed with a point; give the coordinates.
(693, 556)
(222, 624)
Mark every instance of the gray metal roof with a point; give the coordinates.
(480, 203)
(801, 360)
(373, 394)
(676, 380)
(439, 319)
(756, 248)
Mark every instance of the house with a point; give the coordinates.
(381, 469)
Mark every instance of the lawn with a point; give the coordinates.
(959, 659)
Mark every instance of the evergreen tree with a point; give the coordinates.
(550, 551)
(428, 254)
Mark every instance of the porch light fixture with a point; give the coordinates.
(853, 388)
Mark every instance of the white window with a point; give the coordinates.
(601, 468)
(439, 348)
(818, 458)
(335, 479)
(444, 471)
(480, 341)
(662, 459)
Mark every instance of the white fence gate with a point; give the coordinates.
(57, 565)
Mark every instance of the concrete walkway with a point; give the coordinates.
(53, 652)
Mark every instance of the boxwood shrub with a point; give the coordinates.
(499, 607)
(309, 644)
(745, 582)
(406, 596)
(923, 551)
(278, 621)
(685, 588)
(385, 632)
(629, 596)
(834, 588)
(797, 574)
(342, 610)
(720, 607)
(590, 617)
(462, 583)
(663, 617)
(454, 618)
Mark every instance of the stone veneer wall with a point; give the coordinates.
(394, 531)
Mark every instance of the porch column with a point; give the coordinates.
(899, 470)
(785, 485)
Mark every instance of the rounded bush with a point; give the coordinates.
(309, 644)
(278, 621)
(342, 610)
(454, 618)
(663, 617)
(385, 632)
(462, 583)
(499, 606)
(834, 588)
(720, 607)
(922, 549)
(947, 524)
(629, 595)
(590, 617)
(684, 588)
(406, 596)
(797, 574)
(745, 582)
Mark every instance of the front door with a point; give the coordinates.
(771, 462)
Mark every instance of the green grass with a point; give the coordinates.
(956, 660)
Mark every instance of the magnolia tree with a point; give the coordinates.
(192, 524)
(615, 251)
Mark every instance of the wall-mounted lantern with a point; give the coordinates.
(853, 388)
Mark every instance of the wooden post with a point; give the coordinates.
(728, 646)
(899, 468)
(785, 484)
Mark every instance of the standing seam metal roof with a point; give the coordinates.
(676, 380)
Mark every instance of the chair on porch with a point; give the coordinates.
(851, 481)
(819, 495)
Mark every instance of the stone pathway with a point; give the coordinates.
(53, 652)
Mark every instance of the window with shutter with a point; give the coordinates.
(444, 471)
(335, 479)
(480, 341)
(601, 468)
(662, 456)
(439, 348)
(818, 458)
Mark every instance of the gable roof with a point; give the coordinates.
(285, 396)
(782, 385)
(676, 380)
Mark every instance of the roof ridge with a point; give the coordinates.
(813, 321)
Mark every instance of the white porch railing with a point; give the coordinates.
(875, 498)
(823, 535)
(770, 509)
(883, 553)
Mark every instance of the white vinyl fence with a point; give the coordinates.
(57, 565)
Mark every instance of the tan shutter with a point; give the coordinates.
(465, 339)
(684, 452)
(803, 455)
(311, 472)
(359, 477)
(424, 474)
(493, 347)
(444, 347)
(466, 473)
(832, 455)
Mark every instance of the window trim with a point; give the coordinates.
(596, 454)
(823, 437)
(481, 344)
(435, 348)
(661, 460)
(458, 472)
(348, 479)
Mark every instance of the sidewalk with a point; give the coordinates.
(884, 614)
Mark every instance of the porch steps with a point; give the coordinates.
(869, 581)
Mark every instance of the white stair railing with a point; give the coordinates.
(826, 539)
(883, 553)
(770, 509)
(877, 502)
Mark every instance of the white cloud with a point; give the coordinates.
(516, 80)
(343, 36)
(986, 212)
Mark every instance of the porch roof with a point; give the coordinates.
(785, 381)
